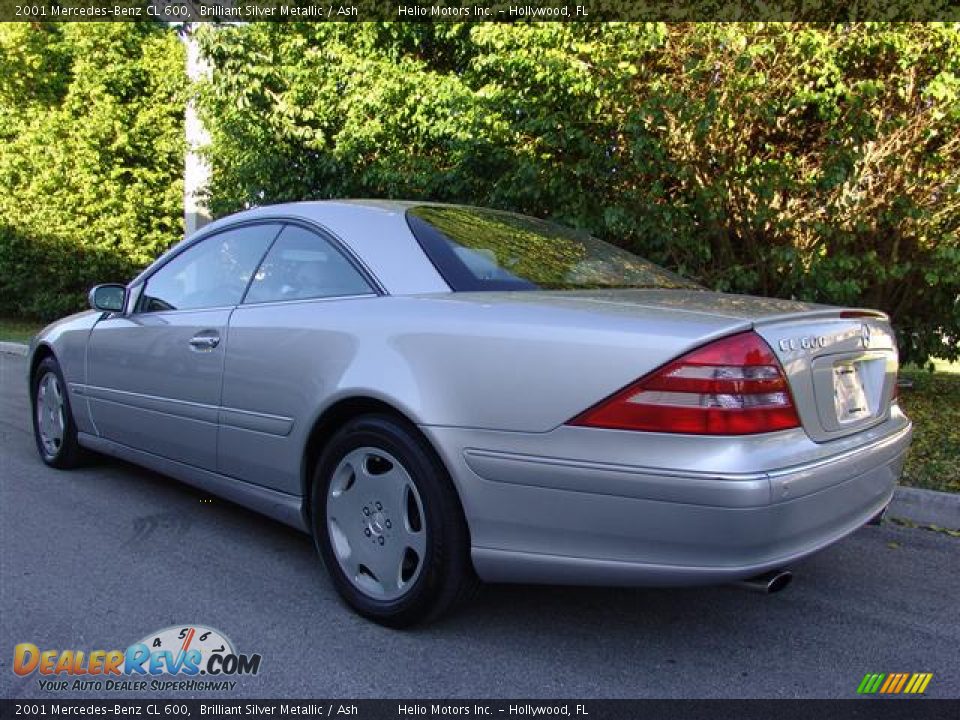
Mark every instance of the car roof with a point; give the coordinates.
(320, 210)
(375, 230)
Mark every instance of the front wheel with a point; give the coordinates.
(388, 523)
(54, 430)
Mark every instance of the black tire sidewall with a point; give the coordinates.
(444, 535)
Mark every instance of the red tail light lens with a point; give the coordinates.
(734, 386)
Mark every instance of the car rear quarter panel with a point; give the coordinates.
(509, 367)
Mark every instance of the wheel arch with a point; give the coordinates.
(333, 418)
(41, 353)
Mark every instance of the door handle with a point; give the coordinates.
(204, 341)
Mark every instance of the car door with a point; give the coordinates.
(285, 349)
(153, 375)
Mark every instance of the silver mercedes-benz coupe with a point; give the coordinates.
(442, 393)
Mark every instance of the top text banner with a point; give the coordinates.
(175, 11)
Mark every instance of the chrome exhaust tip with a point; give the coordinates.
(878, 518)
(767, 583)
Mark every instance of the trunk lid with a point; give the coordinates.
(841, 364)
(842, 369)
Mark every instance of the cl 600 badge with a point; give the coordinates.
(811, 342)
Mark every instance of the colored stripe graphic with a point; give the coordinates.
(870, 683)
(894, 683)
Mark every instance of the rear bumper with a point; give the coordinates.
(544, 519)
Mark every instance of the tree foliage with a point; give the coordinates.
(91, 157)
(819, 162)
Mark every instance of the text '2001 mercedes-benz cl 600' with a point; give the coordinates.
(441, 394)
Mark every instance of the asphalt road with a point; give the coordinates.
(99, 558)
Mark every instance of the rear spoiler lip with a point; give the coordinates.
(824, 314)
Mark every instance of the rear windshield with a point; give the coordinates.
(479, 249)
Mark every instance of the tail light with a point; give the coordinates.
(734, 386)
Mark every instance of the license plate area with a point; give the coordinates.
(850, 399)
(853, 390)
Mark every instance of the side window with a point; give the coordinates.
(213, 273)
(302, 265)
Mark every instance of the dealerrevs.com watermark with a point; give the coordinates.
(180, 658)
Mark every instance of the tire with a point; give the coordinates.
(54, 429)
(388, 523)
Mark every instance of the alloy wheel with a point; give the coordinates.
(51, 417)
(376, 523)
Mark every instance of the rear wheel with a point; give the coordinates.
(54, 430)
(388, 523)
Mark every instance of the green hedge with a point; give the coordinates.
(812, 161)
(91, 158)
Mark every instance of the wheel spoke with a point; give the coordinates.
(343, 507)
(394, 483)
(42, 408)
(386, 564)
(411, 529)
(43, 421)
(377, 478)
(58, 424)
(353, 556)
(345, 501)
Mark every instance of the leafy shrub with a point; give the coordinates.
(933, 403)
(91, 157)
(820, 162)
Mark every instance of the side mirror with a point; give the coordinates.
(108, 298)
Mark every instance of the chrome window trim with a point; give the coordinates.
(326, 298)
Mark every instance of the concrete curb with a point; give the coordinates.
(926, 507)
(921, 507)
(12, 348)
